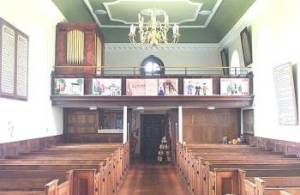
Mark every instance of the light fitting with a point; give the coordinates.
(153, 27)
(140, 108)
(211, 107)
(93, 107)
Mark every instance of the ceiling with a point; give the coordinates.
(115, 16)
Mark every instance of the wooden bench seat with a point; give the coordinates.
(288, 191)
(270, 185)
(206, 167)
(97, 169)
(35, 182)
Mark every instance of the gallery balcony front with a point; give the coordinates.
(200, 87)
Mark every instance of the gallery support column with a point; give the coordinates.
(180, 132)
(125, 129)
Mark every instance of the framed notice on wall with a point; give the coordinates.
(13, 62)
(285, 94)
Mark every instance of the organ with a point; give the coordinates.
(79, 49)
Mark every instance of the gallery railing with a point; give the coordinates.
(176, 71)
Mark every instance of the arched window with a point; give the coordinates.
(235, 63)
(152, 65)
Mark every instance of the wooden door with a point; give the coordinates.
(152, 132)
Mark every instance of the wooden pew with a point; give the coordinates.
(271, 185)
(192, 167)
(59, 158)
(35, 182)
(289, 191)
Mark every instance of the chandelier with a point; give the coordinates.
(154, 30)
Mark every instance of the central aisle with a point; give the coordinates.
(144, 179)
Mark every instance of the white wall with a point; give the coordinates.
(275, 39)
(36, 117)
(180, 55)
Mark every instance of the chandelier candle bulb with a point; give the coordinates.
(154, 30)
(174, 29)
(132, 29)
(166, 18)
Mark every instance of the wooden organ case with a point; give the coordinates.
(79, 49)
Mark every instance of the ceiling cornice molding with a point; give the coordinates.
(208, 20)
(244, 21)
(199, 6)
(178, 46)
(89, 7)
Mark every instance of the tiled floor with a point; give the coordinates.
(145, 179)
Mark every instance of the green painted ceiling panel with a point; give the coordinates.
(227, 14)
(74, 10)
(230, 12)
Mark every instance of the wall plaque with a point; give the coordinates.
(13, 62)
(22, 66)
(285, 94)
(7, 61)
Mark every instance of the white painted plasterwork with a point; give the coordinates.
(171, 47)
(213, 11)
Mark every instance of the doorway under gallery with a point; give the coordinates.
(148, 126)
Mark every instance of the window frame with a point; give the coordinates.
(155, 60)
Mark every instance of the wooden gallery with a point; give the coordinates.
(149, 97)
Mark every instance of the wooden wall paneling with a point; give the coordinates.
(95, 137)
(90, 47)
(101, 36)
(210, 126)
(61, 49)
(81, 125)
(180, 86)
(100, 118)
(88, 85)
(123, 85)
(216, 85)
(2, 153)
(173, 101)
(82, 121)
(286, 147)
(173, 131)
(24, 146)
(13, 149)
(83, 182)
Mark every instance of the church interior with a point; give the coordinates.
(149, 97)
